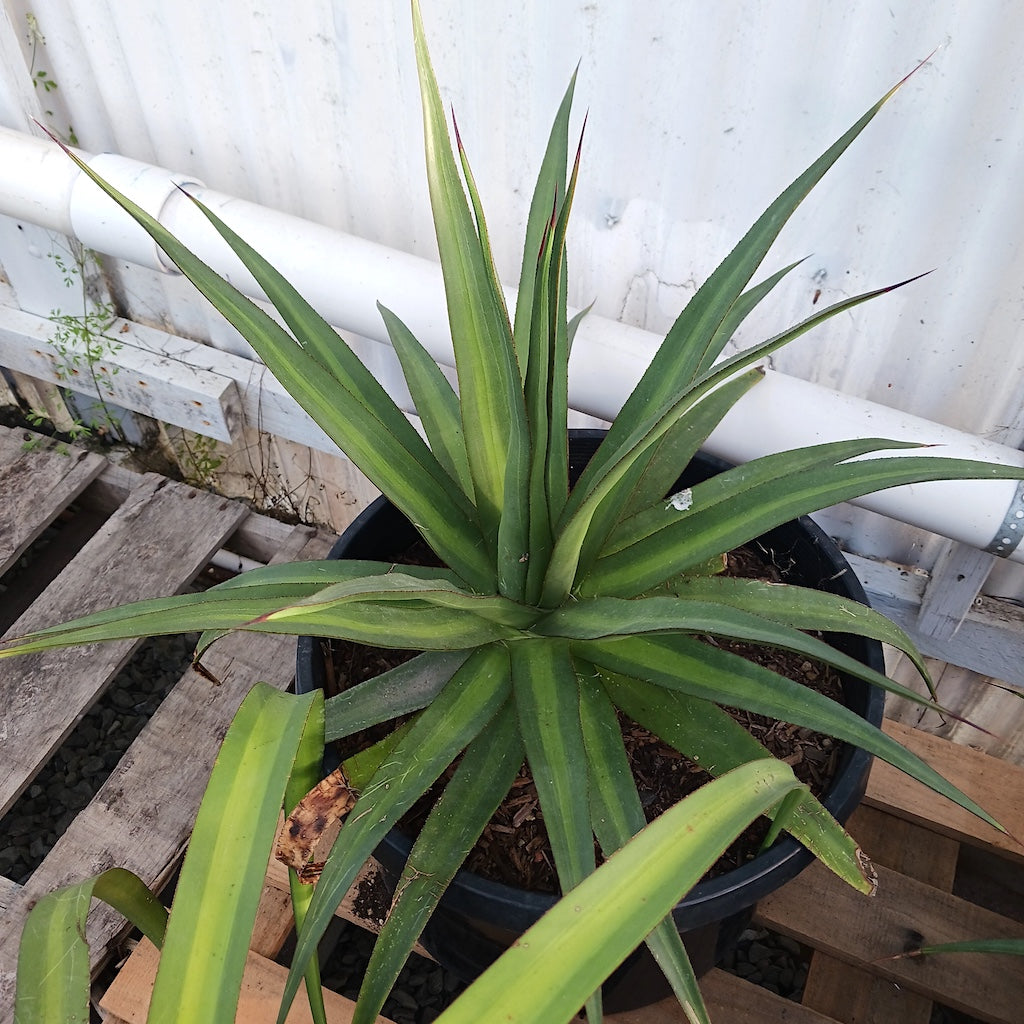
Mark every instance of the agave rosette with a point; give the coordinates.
(555, 605)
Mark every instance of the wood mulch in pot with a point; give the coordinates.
(514, 847)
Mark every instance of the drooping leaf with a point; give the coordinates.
(617, 815)
(575, 946)
(53, 957)
(610, 617)
(456, 715)
(714, 740)
(221, 880)
(803, 608)
(681, 663)
(398, 691)
(480, 782)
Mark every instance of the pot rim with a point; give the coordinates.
(747, 883)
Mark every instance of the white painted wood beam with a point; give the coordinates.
(141, 369)
(988, 640)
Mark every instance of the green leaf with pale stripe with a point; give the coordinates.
(374, 601)
(436, 403)
(803, 608)
(493, 412)
(335, 389)
(546, 695)
(617, 815)
(607, 489)
(472, 697)
(610, 617)
(750, 510)
(689, 666)
(482, 780)
(714, 740)
(398, 587)
(577, 944)
(655, 470)
(743, 307)
(689, 344)
(550, 185)
(221, 880)
(652, 474)
(408, 687)
(53, 957)
(307, 771)
(746, 476)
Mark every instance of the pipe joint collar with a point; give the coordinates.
(101, 224)
(1011, 530)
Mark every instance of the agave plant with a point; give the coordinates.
(554, 606)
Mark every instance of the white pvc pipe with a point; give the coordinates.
(344, 277)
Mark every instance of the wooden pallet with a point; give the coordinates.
(158, 535)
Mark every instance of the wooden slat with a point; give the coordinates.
(904, 847)
(257, 536)
(957, 577)
(823, 912)
(143, 815)
(153, 545)
(849, 994)
(988, 640)
(146, 370)
(37, 485)
(991, 781)
(730, 1000)
(128, 996)
(8, 892)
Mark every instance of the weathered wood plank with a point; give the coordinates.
(154, 544)
(988, 640)
(981, 700)
(144, 369)
(823, 912)
(37, 485)
(257, 536)
(850, 994)
(142, 816)
(991, 781)
(732, 1000)
(128, 997)
(277, 878)
(956, 579)
(8, 892)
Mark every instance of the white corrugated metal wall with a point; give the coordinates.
(698, 115)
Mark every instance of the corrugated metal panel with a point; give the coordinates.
(699, 115)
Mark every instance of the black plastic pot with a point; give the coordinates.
(477, 919)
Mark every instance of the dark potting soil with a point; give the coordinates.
(514, 847)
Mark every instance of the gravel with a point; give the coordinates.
(423, 988)
(79, 768)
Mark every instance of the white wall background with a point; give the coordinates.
(699, 114)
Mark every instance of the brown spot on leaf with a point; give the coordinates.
(327, 802)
